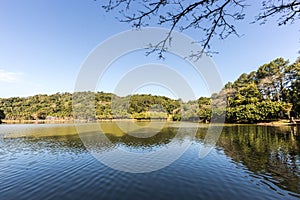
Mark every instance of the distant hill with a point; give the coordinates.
(270, 93)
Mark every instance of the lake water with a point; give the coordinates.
(50, 161)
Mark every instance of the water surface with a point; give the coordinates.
(50, 161)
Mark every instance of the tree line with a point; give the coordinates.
(269, 93)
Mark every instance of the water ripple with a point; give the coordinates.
(60, 167)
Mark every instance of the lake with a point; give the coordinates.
(52, 161)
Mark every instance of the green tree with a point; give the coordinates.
(270, 93)
(271, 79)
(293, 87)
(249, 94)
(204, 112)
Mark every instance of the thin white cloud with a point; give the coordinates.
(9, 77)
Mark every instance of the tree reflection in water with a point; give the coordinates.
(272, 153)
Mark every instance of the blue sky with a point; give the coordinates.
(44, 43)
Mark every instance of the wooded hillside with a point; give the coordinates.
(269, 93)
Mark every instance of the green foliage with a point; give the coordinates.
(261, 111)
(271, 79)
(270, 93)
(38, 106)
(247, 94)
(148, 106)
(88, 106)
(292, 91)
(218, 114)
(204, 111)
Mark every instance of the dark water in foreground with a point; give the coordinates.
(248, 162)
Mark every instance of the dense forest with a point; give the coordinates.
(269, 93)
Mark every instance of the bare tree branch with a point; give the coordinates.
(289, 11)
(212, 17)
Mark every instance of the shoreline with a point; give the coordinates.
(71, 121)
(41, 121)
(277, 123)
